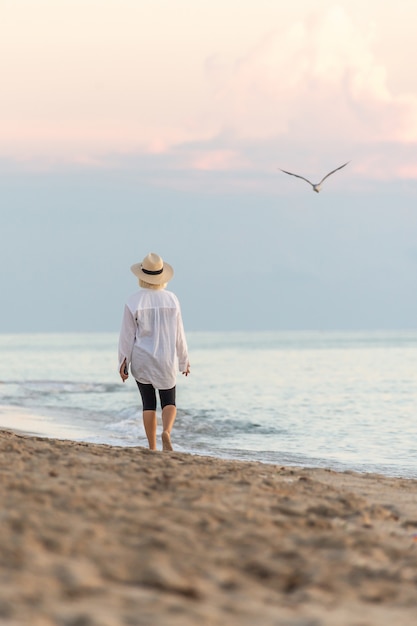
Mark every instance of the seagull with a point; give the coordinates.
(316, 187)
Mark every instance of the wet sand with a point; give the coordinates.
(94, 535)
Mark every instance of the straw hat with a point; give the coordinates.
(153, 270)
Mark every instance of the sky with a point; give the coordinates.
(136, 126)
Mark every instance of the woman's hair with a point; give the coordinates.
(146, 285)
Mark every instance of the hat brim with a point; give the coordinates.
(153, 279)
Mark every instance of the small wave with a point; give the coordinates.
(125, 419)
(59, 386)
(204, 423)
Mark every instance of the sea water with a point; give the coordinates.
(346, 401)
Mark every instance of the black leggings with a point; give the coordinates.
(147, 391)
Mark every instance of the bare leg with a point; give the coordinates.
(149, 422)
(169, 414)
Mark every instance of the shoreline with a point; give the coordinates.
(42, 423)
(103, 536)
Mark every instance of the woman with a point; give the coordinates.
(152, 341)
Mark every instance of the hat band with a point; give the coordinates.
(152, 272)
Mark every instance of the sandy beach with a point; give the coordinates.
(94, 535)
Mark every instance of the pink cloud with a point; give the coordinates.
(320, 77)
(315, 84)
(218, 160)
(306, 94)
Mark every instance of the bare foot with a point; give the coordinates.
(166, 441)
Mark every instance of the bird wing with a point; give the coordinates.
(333, 171)
(298, 176)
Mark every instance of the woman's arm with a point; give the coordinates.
(124, 373)
(181, 346)
(126, 342)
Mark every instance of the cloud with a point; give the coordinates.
(315, 87)
(319, 79)
(305, 94)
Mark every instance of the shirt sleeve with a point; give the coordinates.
(127, 337)
(181, 345)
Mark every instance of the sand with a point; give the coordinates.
(94, 535)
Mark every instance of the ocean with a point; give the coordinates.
(341, 400)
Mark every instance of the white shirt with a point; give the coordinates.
(152, 338)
